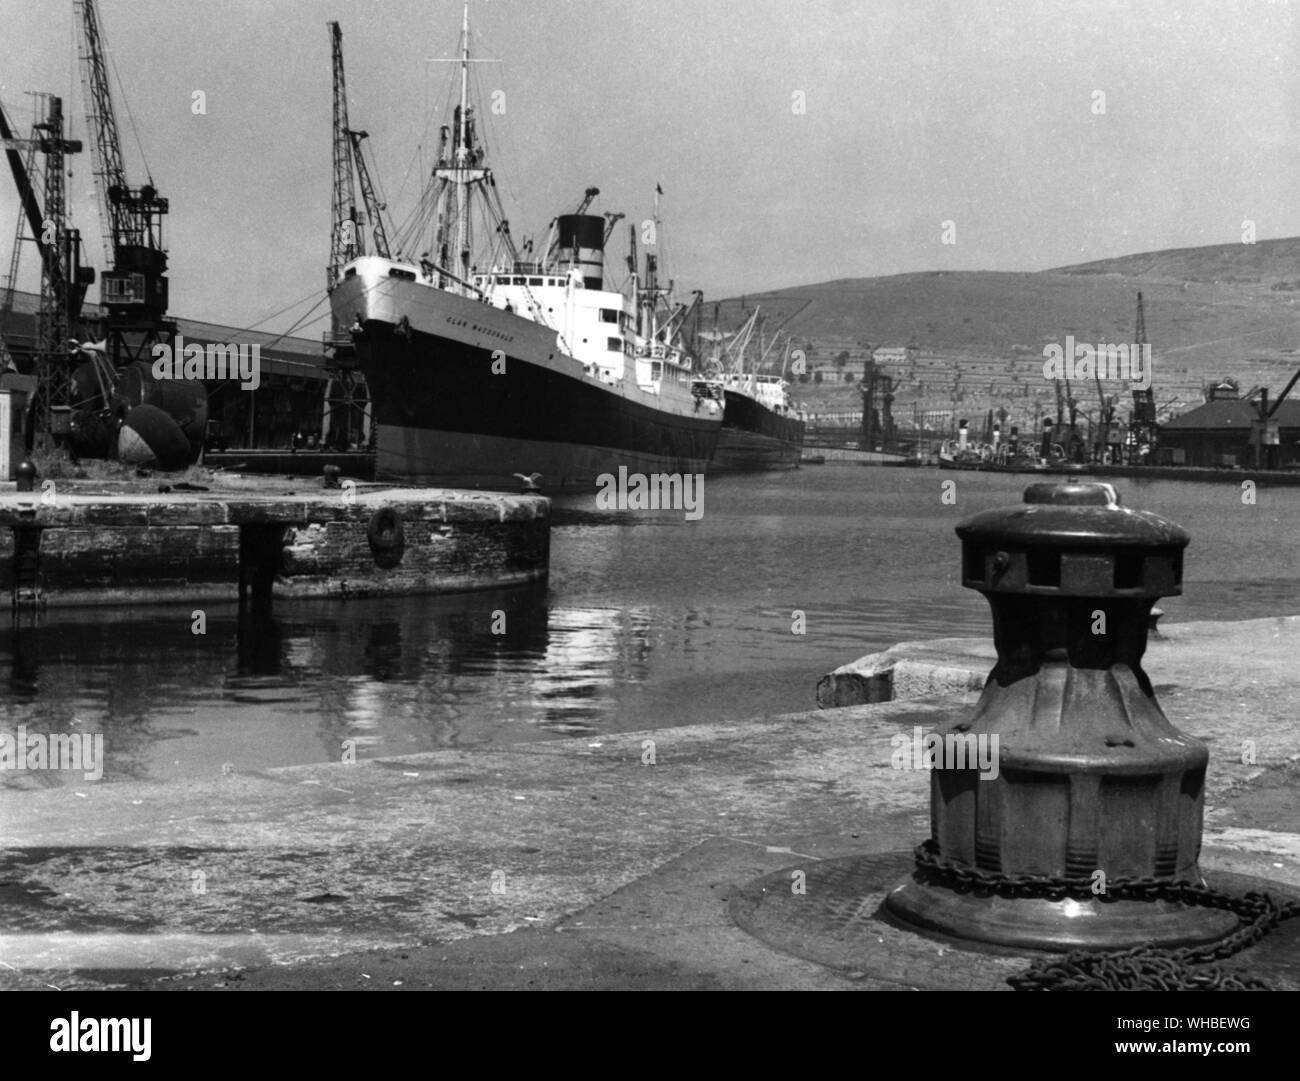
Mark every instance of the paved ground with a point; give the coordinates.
(601, 863)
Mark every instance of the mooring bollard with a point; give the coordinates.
(331, 474)
(25, 475)
(1092, 782)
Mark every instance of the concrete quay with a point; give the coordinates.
(604, 862)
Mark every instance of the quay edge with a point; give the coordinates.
(182, 547)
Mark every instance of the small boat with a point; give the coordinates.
(1023, 459)
(1004, 458)
(954, 455)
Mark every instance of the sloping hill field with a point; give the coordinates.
(1229, 310)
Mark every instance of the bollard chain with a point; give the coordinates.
(1138, 968)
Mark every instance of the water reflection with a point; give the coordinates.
(269, 685)
(648, 620)
(258, 644)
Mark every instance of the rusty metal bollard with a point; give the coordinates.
(1092, 782)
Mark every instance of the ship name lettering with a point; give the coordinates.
(489, 331)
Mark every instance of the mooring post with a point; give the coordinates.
(261, 547)
(1092, 781)
(25, 572)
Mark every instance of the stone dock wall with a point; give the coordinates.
(98, 549)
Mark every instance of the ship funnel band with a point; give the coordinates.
(582, 245)
(582, 231)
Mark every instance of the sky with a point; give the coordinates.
(796, 141)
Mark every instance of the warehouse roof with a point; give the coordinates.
(1231, 415)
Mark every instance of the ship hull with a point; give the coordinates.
(972, 465)
(754, 438)
(975, 463)
(489, 395)
(417, 455)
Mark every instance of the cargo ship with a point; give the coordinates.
(761, 430)
(488, 365)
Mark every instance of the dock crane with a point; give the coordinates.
(346, 418)
(63, 280)
(7, 297)
(1264, 429)
(347, 237)
(343, 230)
(134, 289)
(1142, 421)
(22, 169)
(47, 140)
(374, 208)
(1143, 426)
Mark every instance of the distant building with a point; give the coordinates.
(298, 388)
(1218, 433)
(895, 354)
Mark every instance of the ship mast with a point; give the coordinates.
(455, 177)
(462, 152)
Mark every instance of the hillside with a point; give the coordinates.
(1267, 262)
(1210, 312)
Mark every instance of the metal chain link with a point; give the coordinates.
(1138, 968)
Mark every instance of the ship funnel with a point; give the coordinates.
(582, 244)
(961, 435)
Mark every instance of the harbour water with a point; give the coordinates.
(649, 620)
